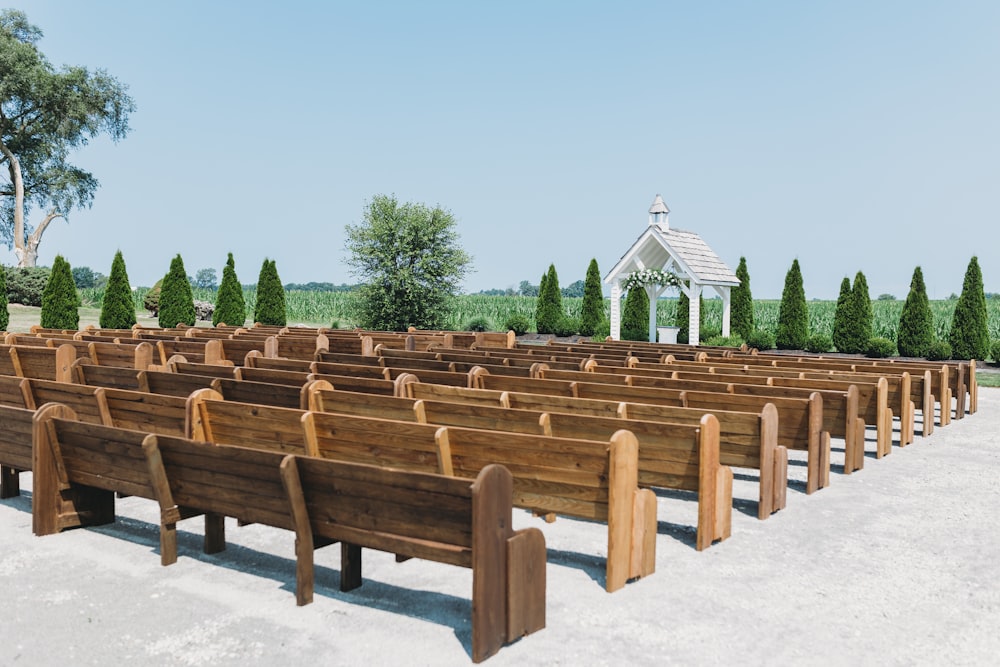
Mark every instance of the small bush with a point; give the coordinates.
(761, 340)
(819, 343)
(477, 324)
(995, 352)
(940, 350)
(708, 333)
(724, 341)
(566, 326)
(880, 348)
(26, 285)
(519, 324)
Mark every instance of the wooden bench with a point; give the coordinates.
(15, 447)
(47, 363)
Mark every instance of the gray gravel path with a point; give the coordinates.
(898, 564)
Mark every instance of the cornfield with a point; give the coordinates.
(327, 308)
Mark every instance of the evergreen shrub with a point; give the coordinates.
(60, 301)
(230, 306)
(724, 341)
(761, 339)
(916, 322)
(117, 306)
(567, 326)
(793, 314)
(840, 317)
(176, 305)
(742, 302)
(550, 310)
(880, 348)
(819, 343)
(26, 285)
(477, 324)
(4, 311)
(592, 309)
(940, 350)
(969, 336)
(995, 352)
(519, 324)
(270, 308)
(635, 315)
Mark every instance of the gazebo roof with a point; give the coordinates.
(679, 251)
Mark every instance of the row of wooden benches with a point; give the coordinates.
(79, 468)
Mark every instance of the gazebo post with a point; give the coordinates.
(694, 313)
(653, 294)
(726, 308)
(616, 310)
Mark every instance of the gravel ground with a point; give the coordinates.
(896, 564)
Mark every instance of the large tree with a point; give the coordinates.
(45, 114)
(410, 262)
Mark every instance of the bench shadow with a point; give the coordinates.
(746, 506)
(439, 608)
(21, 502)
(593, 566)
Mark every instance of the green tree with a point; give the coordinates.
(176, 298)
(47, 114)
(410, 261)
(4, 312)
(230, 306)
(635, 315)
(742, 303)
(539, 302)
(270, 307)
(793, 314)
(969, 336)
(60, 302)
(841, 315)
(592, 309)
(682, 316)
(916, 322)
(550, 310)
(118, 306)
(862, 318)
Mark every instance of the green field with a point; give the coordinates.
(332, 309)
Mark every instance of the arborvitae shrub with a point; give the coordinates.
(859, 322)
(635, 315)
(793, 315)
(841, 315)
(592, 310)
(995, 352)
(270, 307)
(539, 305)
(4, 312)
(176, 299)
(118, 306)
(550, 310)
(969, 336)
(60, 301)
(742, 302)
(880, 348)
(818, 343)
(761, 340)
(682, 317)
(916, 322)
(25, 285)
(567, 326)
(940, 350)
(519, 324)
(230, 306)
(477, 324)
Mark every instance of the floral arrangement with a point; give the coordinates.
(651, 277)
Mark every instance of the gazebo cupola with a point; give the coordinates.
(682, 253)
(659, 213)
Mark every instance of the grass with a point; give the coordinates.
(988, 378)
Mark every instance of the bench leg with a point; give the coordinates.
(526, 558)
(10, 485)
(168, 543)
(350, 566)
(215, 533)
(724, 504)
(824, 461)
(780, 478)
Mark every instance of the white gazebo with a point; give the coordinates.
(681, 253)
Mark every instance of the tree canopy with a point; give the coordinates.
(45, 114)
(409, 258)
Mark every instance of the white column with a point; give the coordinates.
(694, 314)
(651, 293)
(726, 308)
(616, 310)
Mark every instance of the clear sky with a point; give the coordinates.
(850, 135)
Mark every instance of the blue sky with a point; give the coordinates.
(850, 135)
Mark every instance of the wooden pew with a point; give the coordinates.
(15, 447)
(47, 363)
